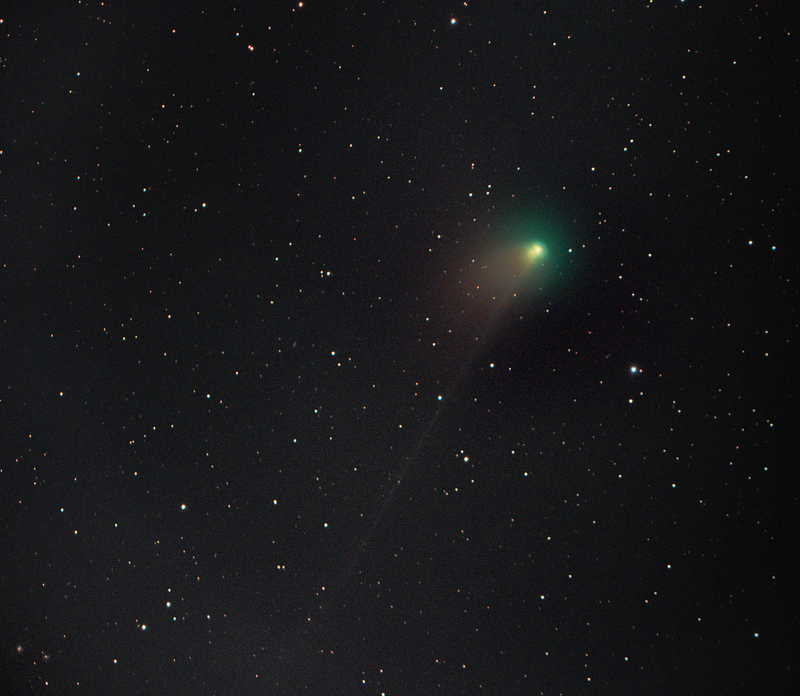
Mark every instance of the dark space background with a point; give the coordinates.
(282, 410)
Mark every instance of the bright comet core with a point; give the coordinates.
(536, 251)
(526, 256)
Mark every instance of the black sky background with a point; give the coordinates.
(246, 248)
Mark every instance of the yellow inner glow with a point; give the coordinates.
(536, 251)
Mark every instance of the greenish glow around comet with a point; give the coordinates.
(538, 239)
(539, 229)
(524, 253)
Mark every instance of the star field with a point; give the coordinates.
(398, 348)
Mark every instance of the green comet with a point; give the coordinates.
(530, 245)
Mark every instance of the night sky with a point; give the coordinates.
(398, 348)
